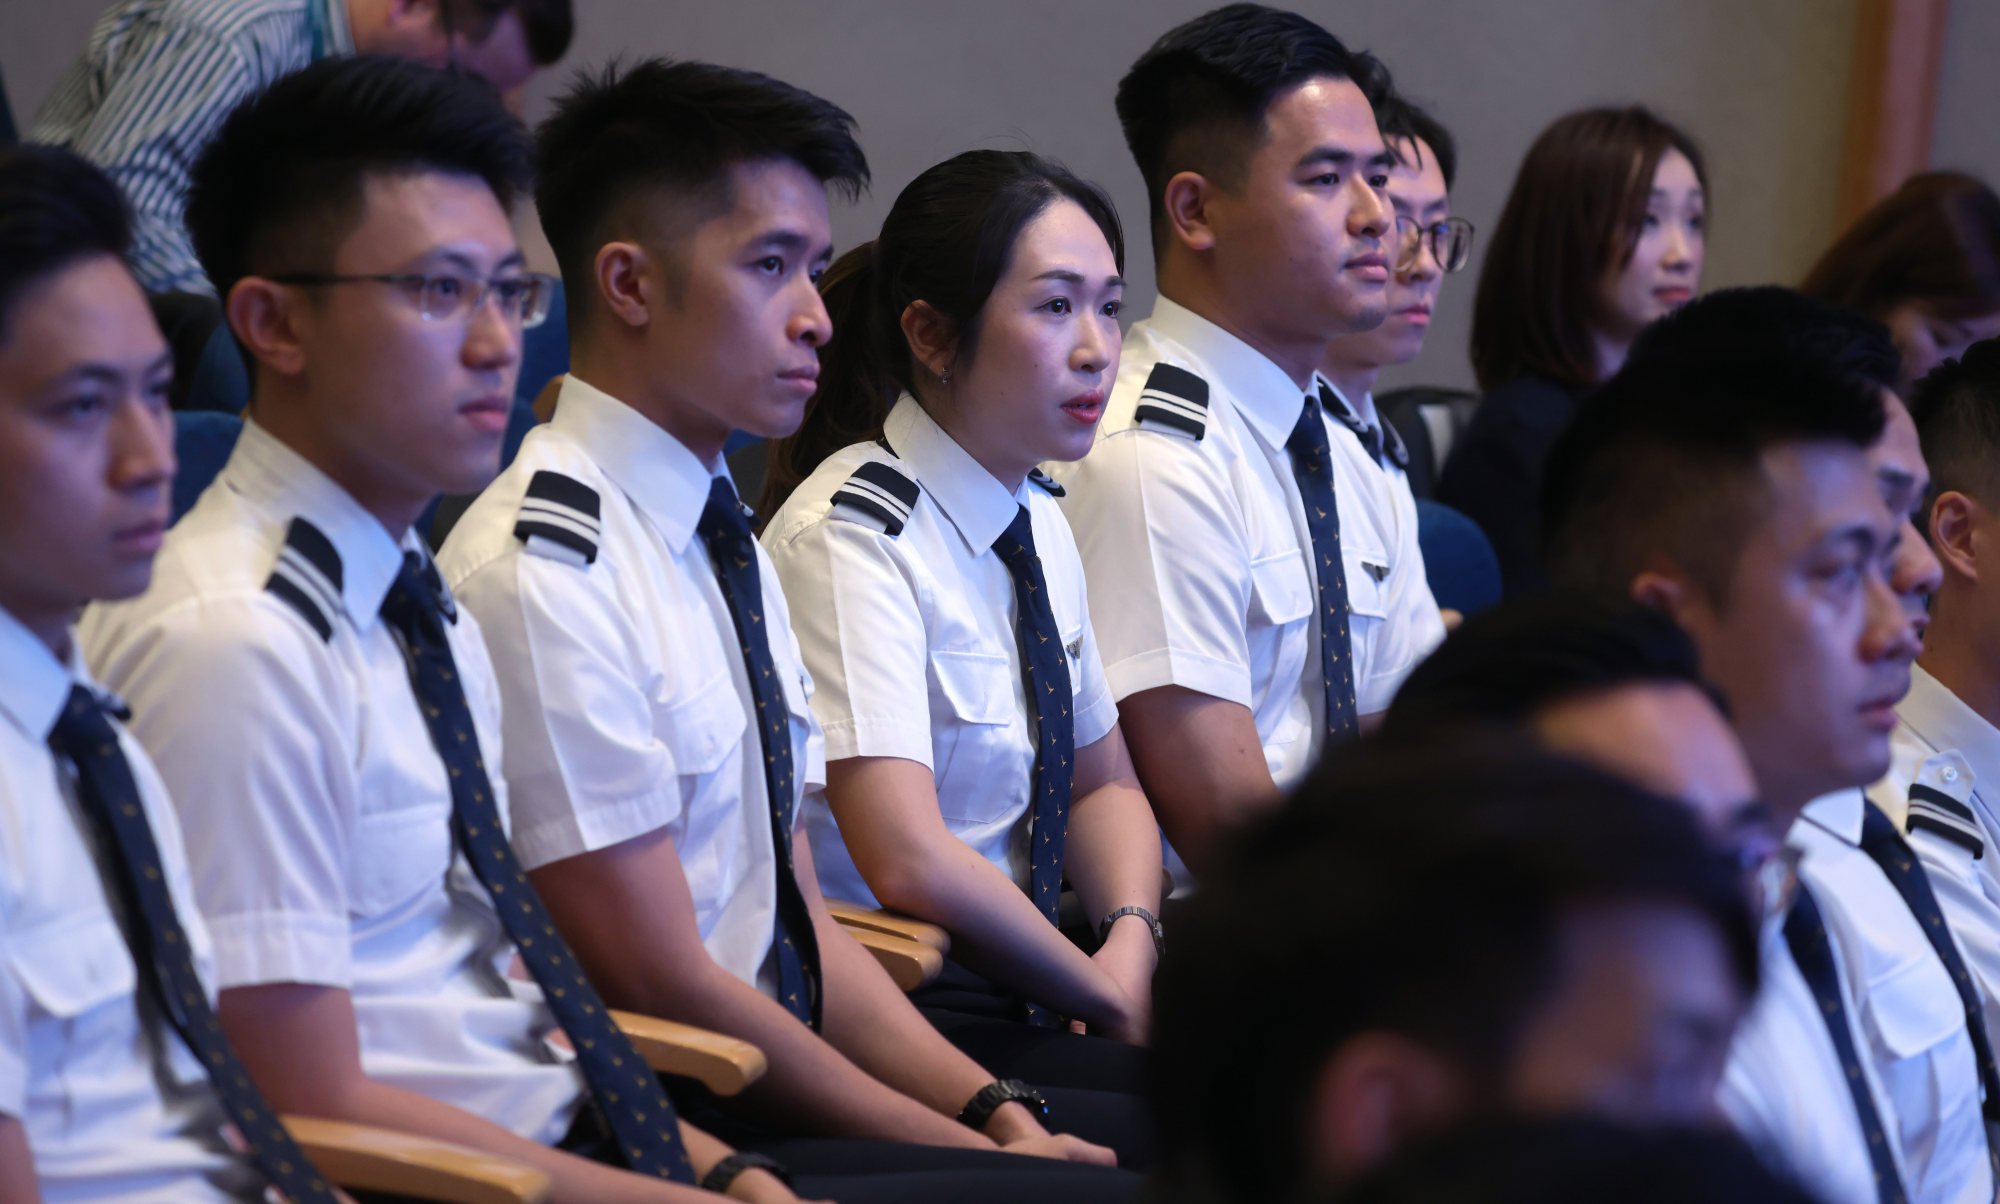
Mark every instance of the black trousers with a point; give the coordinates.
(1096, 1087)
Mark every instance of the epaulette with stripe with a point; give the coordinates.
(559, 518)
(1047, 482)
(307, 577)
(1174, 399)
(876, 494)
(1932, 810)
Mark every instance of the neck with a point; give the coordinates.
(1355, 381)
(626, 377)
(951, 419)
(1201, 293)
(291, 416)
(1962, 662)
(1610, 352)
(51, 625)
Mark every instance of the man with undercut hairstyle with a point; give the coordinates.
(1237, 579)
(1726, 475)
(159, 76)
(1944, 780)
(659, 739)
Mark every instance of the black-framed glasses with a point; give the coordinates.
(1450, 243)
(523, 297)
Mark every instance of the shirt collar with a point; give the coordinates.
(977, 504)
(274, 477)
(1840, 813)
(668, 482)
(1363, 411)
(35, 687)
(1267, 398)
(1945, 722)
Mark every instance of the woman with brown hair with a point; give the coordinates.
(1602, 233)
(1925, 262)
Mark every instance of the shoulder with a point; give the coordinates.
(1155, 393)
(1531, 403)
(549, 504)
(227, 573)
(863, 485)
(1930, 792)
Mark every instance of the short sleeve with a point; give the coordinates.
(861, 633)
(585, 766)
(1167, 565)
(236, 702)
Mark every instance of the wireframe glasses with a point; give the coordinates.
(522, 297)
(1450, 243)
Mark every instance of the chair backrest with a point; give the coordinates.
(203, 440)
(9, 133)
(1429, 419)
(1458, 559)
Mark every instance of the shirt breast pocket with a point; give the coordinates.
(398, 854)
(700, 727)
(78, 973)
(979, 734)
(703, 729)
(1281, 590)
(1914, 1019)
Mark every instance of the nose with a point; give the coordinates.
(1370, 214)
(492, 340)
(1095, 345)
(1680, 249)
(1889, 635)
(142, 449)
(810, 322)
(1915, 576)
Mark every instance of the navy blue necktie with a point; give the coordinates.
(733, 553)
(1046, 668)
(1805, 933)
(626, 1091)
(1312, 464)
(110, 799)
(1886, 846)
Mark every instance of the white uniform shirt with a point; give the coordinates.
(627, 705)
(316, 808)
(1197, 551)
(1942, 743)
(114, 1105)
(1907, 1012)
(1784, 1088)
(910, 637)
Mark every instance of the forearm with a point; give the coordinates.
(1113, 855)
(996, 929)
(17, 1165)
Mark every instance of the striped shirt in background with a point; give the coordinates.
(155, 82)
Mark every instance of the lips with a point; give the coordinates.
(1086, 407)
(489, 413)
(1673, 294)
(142, 538)
(804, 378)
(1372, 267)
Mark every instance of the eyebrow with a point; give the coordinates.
(1696, 194)
(111, 374)
(459, 259)
(1068, 277)
(1893, 477)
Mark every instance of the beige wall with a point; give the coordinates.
(1760, 83)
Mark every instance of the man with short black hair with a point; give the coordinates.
(659, 740)
(1599, 927)
(1727, 476)
(1242, 617)
(159, 76)
(318, 705)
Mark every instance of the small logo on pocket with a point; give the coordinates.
(1378, 571)
(1074, 648)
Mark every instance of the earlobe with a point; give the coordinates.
(929, 337)
(623, 281)
(1662, 592)
(263, 317)
(1186, 200)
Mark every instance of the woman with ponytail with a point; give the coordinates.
(974, 761)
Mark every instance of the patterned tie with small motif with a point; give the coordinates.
(732, 550)
(626, 1091)
(110, 798)
(1046, 669)
(1887, 848)
(1312, 464)
(1805, 933)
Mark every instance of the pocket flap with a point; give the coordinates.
(701, 728)
(1281, 590)
(977, 685)
(1914, 1007)
(72, 966)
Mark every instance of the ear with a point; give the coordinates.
(931, 338)
(1187, 199)
(1958, 526)
(412, 14)
(265, 318)
(1376, 1092)
(1664, 591)
(627, 282)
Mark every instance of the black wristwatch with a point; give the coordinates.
(1152, 921)
(724, 1173)
(1001, 1091)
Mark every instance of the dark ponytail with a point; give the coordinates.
(946, 242)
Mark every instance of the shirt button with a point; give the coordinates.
(1950, 774)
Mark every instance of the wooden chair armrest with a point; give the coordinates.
(909, 964)
(853, 915)
(363, 1158)
(720, 1063)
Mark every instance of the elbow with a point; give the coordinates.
(907, 885)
